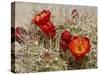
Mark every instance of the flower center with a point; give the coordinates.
(80, 48)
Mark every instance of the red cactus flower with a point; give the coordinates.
(79, 47)
(75, 13)
(65, 39)
(66, 36)
(63, 46)
(49, 29)
(42, 18)
(43, 21)
(19, 32)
